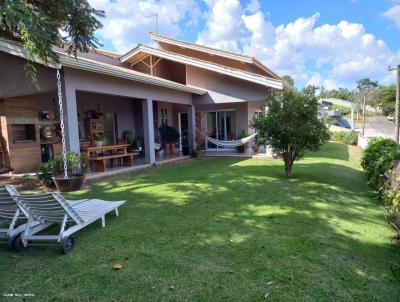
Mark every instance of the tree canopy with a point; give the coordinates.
(366, 85)
(41, 24)
(288, 79)
(340, 93)
(290, 125)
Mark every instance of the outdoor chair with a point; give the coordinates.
(14, 217)
(71, 215)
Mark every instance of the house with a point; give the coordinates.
(194, 88)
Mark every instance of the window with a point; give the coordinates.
(23, 133)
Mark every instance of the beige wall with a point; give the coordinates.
(15, 82)
(125, 109)
(252, 107)
(92, 82)
(242, 121)
(223, 89)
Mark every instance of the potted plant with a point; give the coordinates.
(169, 137)
(185, 146)
(52, 172)
(100, 140)
(242, 148)
(196, 152)
(130, 139)
(256, 148)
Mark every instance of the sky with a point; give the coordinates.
(330, 43)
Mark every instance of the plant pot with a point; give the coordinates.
(99, 143)
(186, 150)
(74, 182)
(167, 148)
(196, 153)
(241, 148)
(172, 148)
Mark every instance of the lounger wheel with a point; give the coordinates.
(10, 243)
(66, 245)
(18, 245)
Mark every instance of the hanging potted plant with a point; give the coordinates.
(52, 172)
(76, 165)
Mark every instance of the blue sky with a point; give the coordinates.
(319, 42)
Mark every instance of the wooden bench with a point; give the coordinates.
(100, 162)
(100, 156)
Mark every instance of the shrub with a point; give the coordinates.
(339, 136)
(378, 160)
(349, 138)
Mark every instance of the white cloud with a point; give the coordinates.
(224, 27)
(125, 24)
(328, 54)
(393, 14)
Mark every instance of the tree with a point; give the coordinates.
(341, 93)
(39, 25)
(288, 79)
(386, 98)
(291, 125)
(366, 85)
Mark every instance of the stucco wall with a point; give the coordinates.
(252, 107)
(92, 82)
(125, 108)
(241, 113)
(15, 82)
(223, 89)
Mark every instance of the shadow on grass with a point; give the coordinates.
(222, 229)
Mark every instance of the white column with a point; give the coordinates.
(148, 131)
(70, 116)
(192, 125)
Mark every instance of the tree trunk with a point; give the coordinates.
(288, 164)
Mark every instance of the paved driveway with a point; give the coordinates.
(377, 126)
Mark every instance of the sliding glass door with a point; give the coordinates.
(220, 125)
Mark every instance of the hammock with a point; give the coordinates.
(231, 144)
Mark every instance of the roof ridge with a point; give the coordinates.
(205, 46)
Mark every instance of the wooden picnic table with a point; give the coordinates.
(100, 156)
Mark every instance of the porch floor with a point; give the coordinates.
(139, 164)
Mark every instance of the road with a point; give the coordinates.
(377, 126)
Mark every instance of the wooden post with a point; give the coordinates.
(397, 108)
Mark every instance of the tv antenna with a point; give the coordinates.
(156, 17)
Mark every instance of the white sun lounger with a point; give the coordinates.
(53, 208)
(13, 215)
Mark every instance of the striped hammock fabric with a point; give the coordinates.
(231, 144)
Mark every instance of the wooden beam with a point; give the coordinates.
(158, 60)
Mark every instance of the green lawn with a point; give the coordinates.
(224, 229)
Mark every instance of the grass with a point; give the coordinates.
(225, 229)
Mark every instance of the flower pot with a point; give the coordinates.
(172, 148)
(186, 150)
(167, 148)
(99, 143)
(74, 182)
